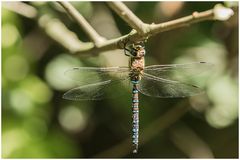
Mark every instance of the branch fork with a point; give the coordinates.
(140, 30)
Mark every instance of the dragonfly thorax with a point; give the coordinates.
(135, 74)
(136, 62)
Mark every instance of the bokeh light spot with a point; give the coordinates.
(13, 140)
(37, 89)
(55, 71)
(170, 8)
(21, 102)
(72, 118)
(16, 68)
(223, 93)
(10, 35)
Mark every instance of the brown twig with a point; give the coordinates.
(128, 16)
(219, 12)
(141, 32)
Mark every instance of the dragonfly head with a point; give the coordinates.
(136, 50)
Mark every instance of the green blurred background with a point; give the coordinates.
(38, 123)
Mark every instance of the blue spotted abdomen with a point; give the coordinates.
(135, 116)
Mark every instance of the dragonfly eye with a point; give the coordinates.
(134, 53)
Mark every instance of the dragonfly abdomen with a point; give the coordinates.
(135, 116)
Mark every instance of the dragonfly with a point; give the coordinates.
(163, 81)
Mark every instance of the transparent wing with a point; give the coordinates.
(163, 88)
(91, 75)
(98, 91)
(178, 72)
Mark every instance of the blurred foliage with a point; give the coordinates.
(38, 123)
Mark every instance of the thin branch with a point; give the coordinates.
(181, 22)
(125, 147)
(152, 29)
(21, 8)
(82, 22)
(128, 16)
(99, 44)
(53, 28)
